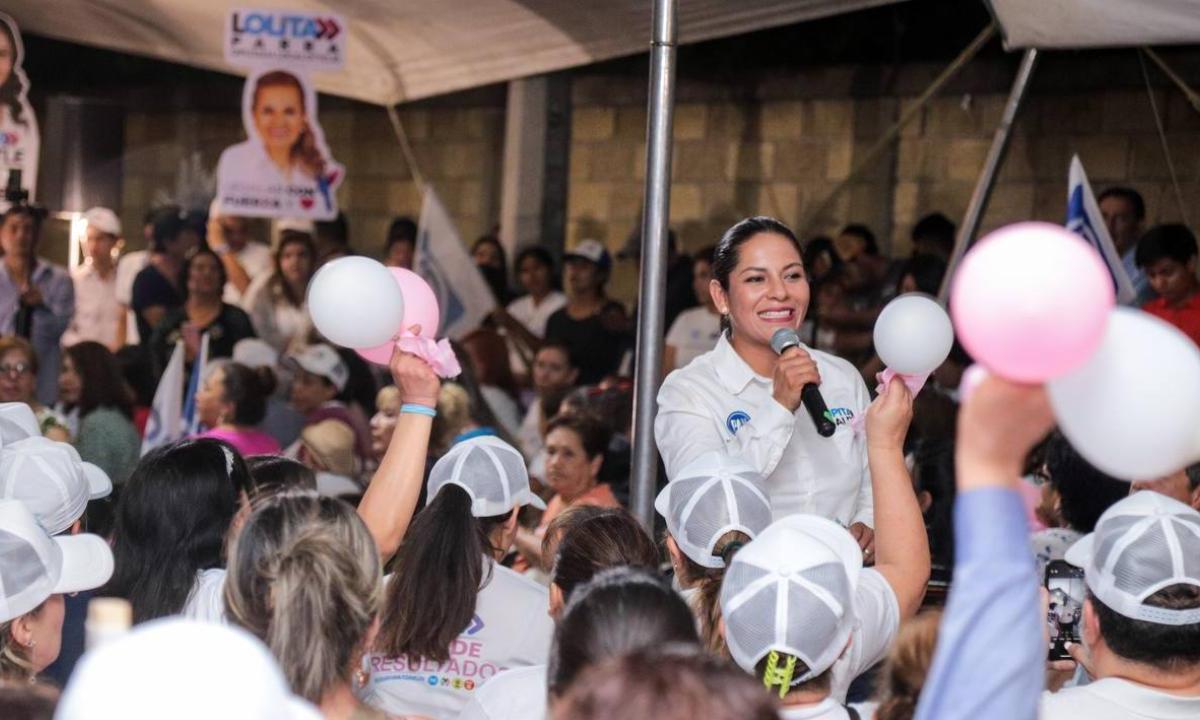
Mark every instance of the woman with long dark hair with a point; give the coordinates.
(607, 598)
(450, 609)
(744, 397)
(203, 312)
(277, 302)
(171, 524)
(91, 389)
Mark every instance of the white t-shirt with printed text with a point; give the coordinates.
(511, 628)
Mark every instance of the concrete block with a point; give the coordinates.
(1065, 113)
(1148, 161)
(726, 120)
(403, 198)
(838, 159)
(686, 202)
(593, 123)
(906, 197)
(580, 161)
(966, 158)
(625, 201)
(952, 117)
(915, 126)
(1180, 115)
(588, 198)
(779, 200)
(1105, 157)
(611, 161)
(1020, 163)
(829, 117)
(1129, 110)
(691, 121)
(1010, 202)
(631, 123)
(1050, 201)
(700, 160)
(781, 120)
(750, 161)
(464, 159)
(803, 160)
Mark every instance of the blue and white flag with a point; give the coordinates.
(191, 420)
(1084, 219)
(464, 297)
(165, 424)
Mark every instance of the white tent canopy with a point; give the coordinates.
(410, 49)
(1097, 23)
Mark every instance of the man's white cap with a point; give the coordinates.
(792, 590)
(36, 566)
(713, 495)
(324, 361)
(1142, 544)
(184, 670)
(255, 353)
(17, 422)
(491, 471)
(52, 481)
(104, 220)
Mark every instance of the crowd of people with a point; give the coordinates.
(345, 541)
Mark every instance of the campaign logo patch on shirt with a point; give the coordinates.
(475, 626)
(736, 420)
(839, 416)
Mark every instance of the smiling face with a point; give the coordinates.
(768, 289)
(279, 116)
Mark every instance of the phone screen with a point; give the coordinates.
(1065, 584)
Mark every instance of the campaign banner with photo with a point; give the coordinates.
(19, 139)
(288, 38)
(283, 168)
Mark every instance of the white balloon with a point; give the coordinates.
(1133, 409)
(913, 334)
(356, 303)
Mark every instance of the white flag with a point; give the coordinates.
(191, 420)
(463, 295)
(1084, 219)
(165, 425)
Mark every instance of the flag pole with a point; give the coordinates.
(655, 220)
(991, 168)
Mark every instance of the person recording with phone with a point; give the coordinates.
(762, 396)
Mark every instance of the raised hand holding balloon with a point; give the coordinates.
(358, 303)
(913, 337)
(1035, 303)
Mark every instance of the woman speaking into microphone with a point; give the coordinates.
(745, 399)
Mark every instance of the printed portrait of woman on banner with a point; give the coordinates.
(18, 126)
(283, 169)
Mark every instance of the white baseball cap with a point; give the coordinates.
(255, 353)
(792, 590)
(37, 566)
(713, 495)
(182, 669)
(324, 361)
(491, 471)
(104, 220)
(17, 422)
(1142, 544)
(52, 481)
(592, 250)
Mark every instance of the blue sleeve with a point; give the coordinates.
(990, 660)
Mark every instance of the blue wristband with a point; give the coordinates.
(418, 410)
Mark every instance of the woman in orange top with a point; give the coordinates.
(575, 448)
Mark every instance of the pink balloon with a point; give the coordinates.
(420, 304)
(420, 308)
(380, 355)
(1031, 301)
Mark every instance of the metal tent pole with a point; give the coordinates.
(652, 299)
(991, 168)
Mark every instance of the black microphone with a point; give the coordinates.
(810, 395)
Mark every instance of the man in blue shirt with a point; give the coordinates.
(37, 299)
(991, 655)
(1124, 213)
